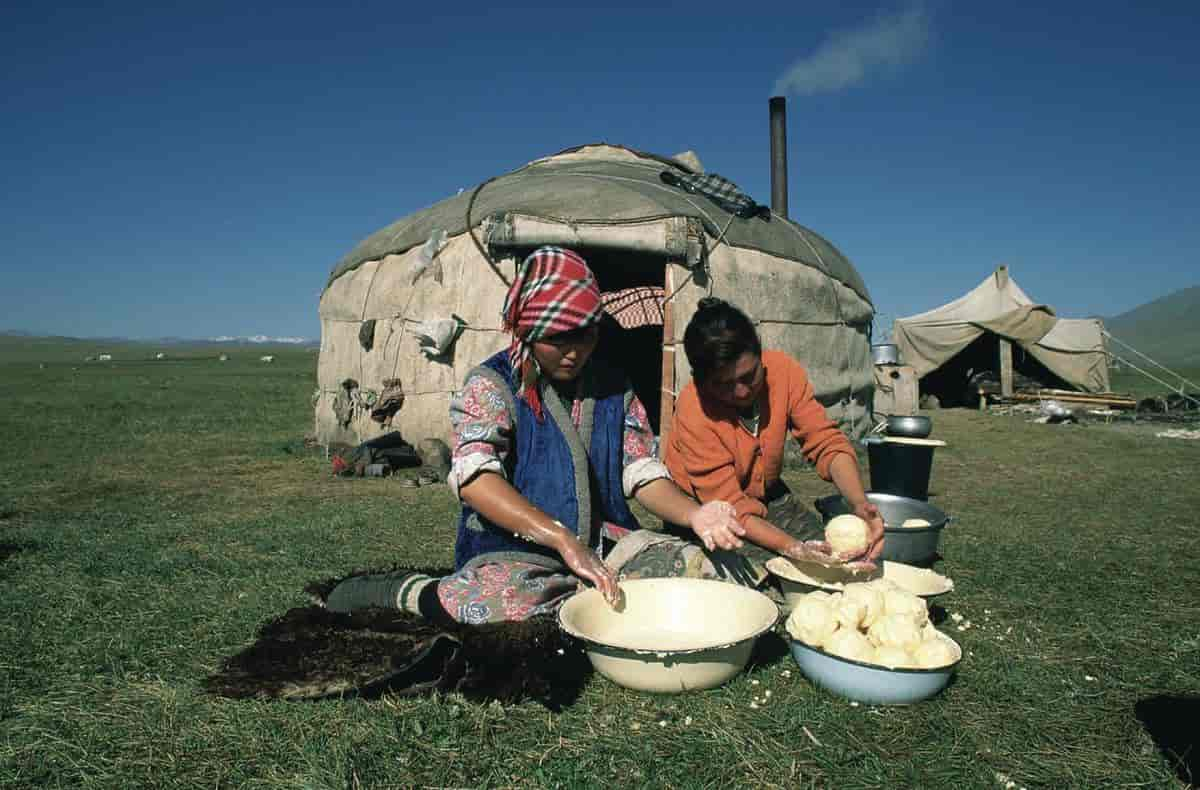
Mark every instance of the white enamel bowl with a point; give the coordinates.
(797, 579)
(873, 684)
(669, 635)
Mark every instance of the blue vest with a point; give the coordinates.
(541, 465)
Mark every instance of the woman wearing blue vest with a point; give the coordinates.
(549, 442)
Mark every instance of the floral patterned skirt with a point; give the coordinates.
(504, 590)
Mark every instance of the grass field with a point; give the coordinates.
(153, 514)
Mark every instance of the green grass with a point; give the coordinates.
(153, 514)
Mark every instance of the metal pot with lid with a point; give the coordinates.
(885, 354)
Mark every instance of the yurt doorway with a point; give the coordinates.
(632, 286)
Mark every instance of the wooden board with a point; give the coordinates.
(1006, 367)
(1082, 398)
(666, 413)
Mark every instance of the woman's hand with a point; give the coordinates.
(584, 563)
(819, 552)
(716, 524)
(844, 471)
(870, 514)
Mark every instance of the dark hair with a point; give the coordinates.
(717, 335)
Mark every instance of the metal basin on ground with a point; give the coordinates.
(870, 683)
(670, 635)
(914, 545)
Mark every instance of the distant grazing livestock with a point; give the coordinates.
(224, 357)
(160, 355)
(105, 357)
(267, 358)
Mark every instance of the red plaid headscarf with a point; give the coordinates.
(554, 291)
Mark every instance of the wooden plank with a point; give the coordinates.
(1085, 400)
(1006, 368)
(666, 412)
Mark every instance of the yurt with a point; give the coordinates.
(410, 310)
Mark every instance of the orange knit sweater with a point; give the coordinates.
(712, 456)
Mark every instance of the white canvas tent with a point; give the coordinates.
(1071, 349)
(610, 204)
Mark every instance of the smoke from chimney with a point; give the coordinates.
(845, 58)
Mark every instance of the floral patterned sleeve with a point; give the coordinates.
(640, 464)
(481, 431)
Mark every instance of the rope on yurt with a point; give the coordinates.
(475, 195)
(478, 244)
(607, 177)
(672, 190)
(705, 257)
(841, 319)
(362, 316)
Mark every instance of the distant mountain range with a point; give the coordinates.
(261, 339)
(1167, 330)
(221, 340)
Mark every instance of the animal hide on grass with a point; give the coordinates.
(312, 653)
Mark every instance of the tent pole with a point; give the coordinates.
(1006, 368)
(666, 413)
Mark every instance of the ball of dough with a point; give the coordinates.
(870, 597)
(893, 657)
(883, 584)
(904, 602)
(895, 630)
(850, 644)
(913, 523)
(848, 612)
(812, 620)
(847, 535)
(936, 652)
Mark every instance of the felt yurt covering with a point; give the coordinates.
(1073, 350)
(611, 205)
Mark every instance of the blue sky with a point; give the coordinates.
(196, 169)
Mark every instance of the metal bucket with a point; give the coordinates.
(885, 354)
(902, 465)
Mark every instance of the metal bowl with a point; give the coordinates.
(913, 427)
(797, 579)
(669, 635)
(914, 545)
(870, 683)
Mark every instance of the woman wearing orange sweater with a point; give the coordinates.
(731, 422)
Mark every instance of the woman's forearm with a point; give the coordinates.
(763, 533)
(495, 499)
(844, 471)
(665, 499)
